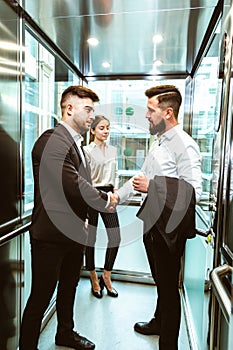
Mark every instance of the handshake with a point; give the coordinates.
(140, 183)
(113, 202)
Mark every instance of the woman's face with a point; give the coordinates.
(101, 131)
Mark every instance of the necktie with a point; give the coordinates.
(82, 155)
(78, 141)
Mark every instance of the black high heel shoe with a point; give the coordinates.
(98, 294)
(112, 293)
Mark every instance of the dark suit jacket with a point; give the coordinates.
(169, 209)
(62, 189)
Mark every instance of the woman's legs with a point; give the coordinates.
(111, 223)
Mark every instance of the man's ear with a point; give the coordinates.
(169, 113)
(69, 108)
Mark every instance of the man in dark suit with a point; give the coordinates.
(62, 195)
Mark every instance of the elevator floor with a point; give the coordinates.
(108, 322)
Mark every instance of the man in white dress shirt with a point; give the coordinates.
(174, 157)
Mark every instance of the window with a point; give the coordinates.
(124, 102)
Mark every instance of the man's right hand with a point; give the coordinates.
(114, 200)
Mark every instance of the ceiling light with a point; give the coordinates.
(106, 64)
(157, 63)
(93, 41)
(157, 38)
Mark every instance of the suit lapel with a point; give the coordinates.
(84, 171)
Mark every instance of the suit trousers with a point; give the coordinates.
(51, 263)
(165, 269)
(111, 223)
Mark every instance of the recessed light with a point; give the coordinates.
(157, 63)
(93, 41)
(157, 38)
(106, 64)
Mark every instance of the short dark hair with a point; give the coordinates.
(80, 91)
(168, 96)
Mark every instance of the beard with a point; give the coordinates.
(158, 128)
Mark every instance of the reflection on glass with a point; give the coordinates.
(206, 112)
(229, 239)
(30, 133)
(7, 298)
(9, 136)
(8, 176)
(46, 76)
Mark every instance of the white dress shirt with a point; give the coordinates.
(77, 138)
(173, 154)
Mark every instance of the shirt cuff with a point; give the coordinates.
(108, 200)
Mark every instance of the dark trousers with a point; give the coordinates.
(51, 263)
(111, 223)
(165, 268)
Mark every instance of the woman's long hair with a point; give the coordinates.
(96, 121)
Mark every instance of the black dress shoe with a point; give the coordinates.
(147, 328)
(98, 294)
(112, 293)
(74, 340)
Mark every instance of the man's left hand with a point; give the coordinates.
(140, 183)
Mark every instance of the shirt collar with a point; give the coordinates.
(168, 135)
(77, 137)
(94, 145)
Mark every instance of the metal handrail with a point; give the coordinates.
(8, 236)
(219, 289)
(204, 233)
